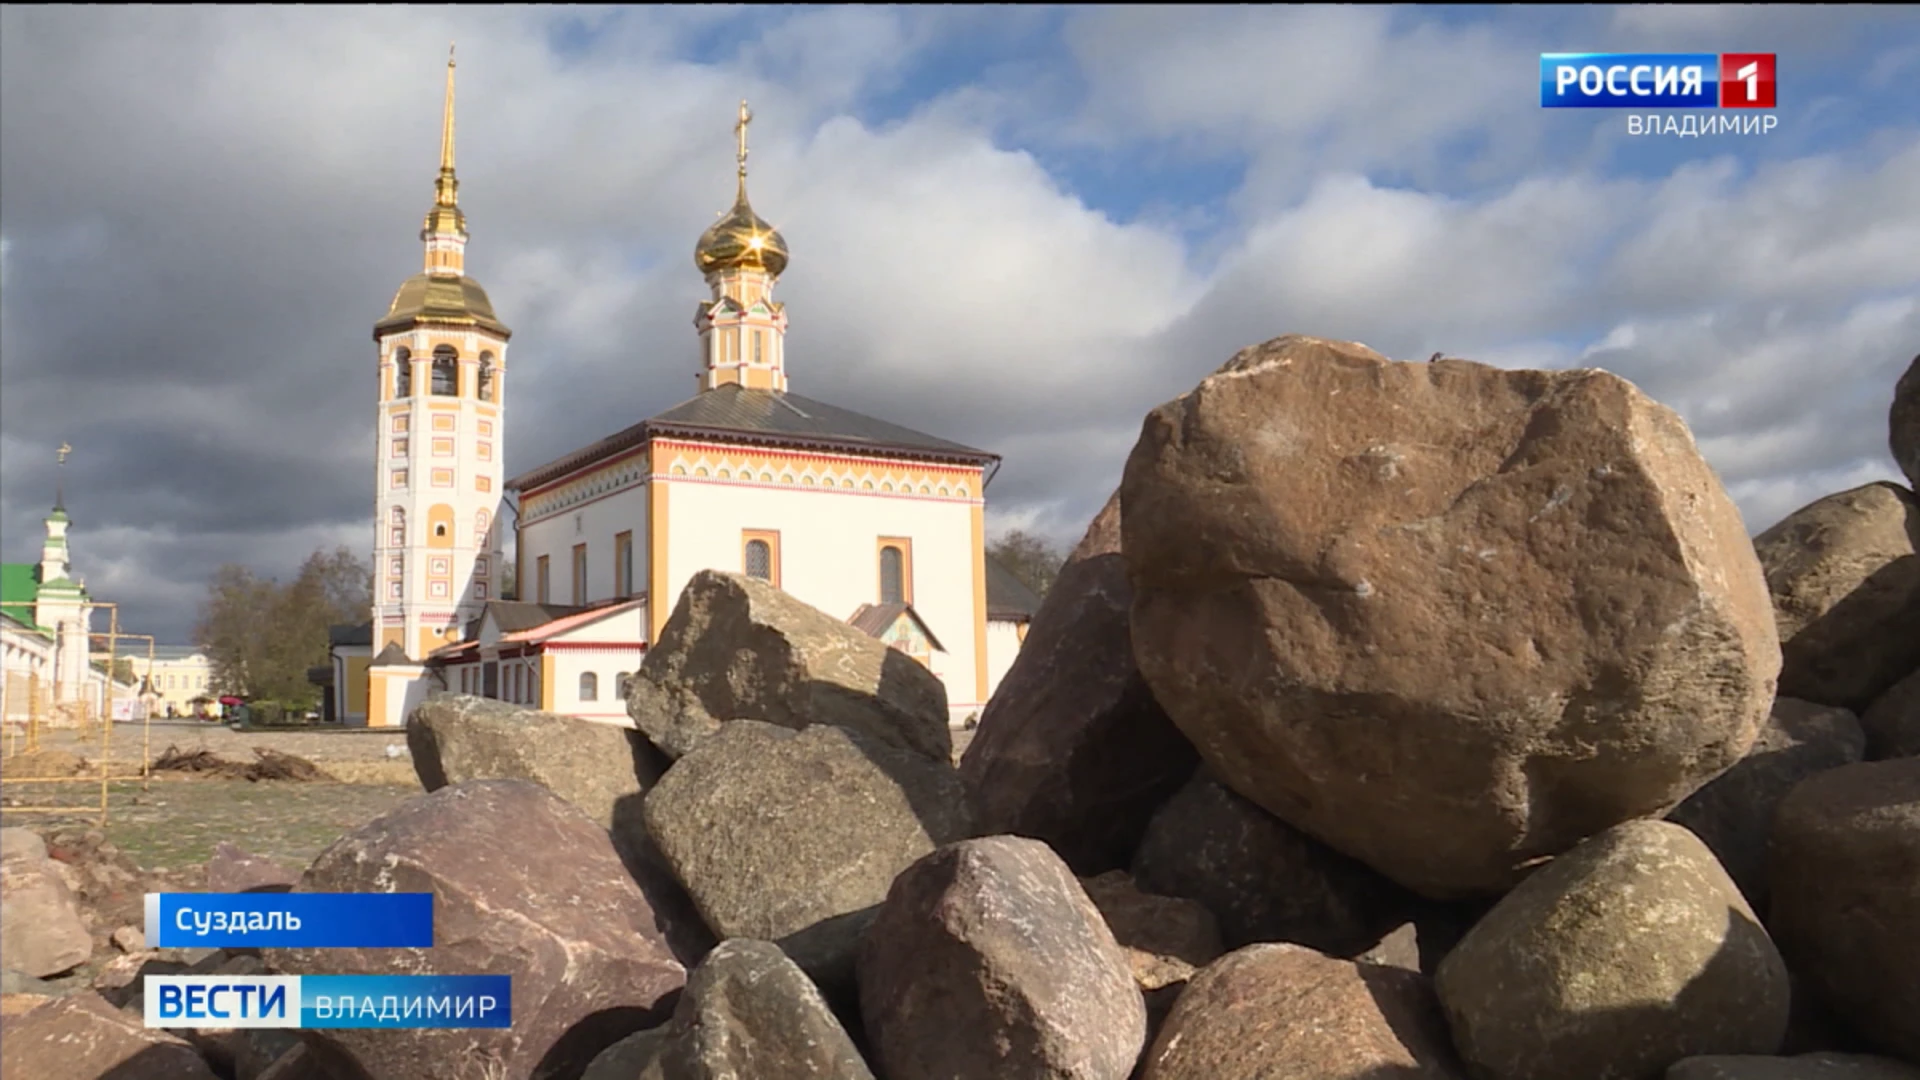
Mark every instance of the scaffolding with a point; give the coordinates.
(103, 773)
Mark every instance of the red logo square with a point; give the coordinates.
(1746, 81)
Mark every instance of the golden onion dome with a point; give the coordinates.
(444, 299)
(741, 240)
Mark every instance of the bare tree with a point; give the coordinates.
(263, 636)
(1030, 558)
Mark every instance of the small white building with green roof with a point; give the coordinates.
(45, 621)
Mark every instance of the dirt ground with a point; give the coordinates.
(174, 822)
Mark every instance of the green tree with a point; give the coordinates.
(123, 671)
(263, 636)
(509, 583)
(1032, 559)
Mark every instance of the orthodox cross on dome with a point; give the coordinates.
(59, 475)
(740, 134)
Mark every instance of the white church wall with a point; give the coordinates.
(829, 554)
(606, 665)
(1003, 644)
(594, 523)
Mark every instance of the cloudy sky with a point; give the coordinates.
(1020, 228)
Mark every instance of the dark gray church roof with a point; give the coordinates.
(1008, 598)
(766, 416)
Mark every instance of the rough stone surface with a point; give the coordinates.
(1892, 722)
(1263, 879)
(524, 885)
(1845, 864)
(794, 837)
(738, 648)
(1903, 419)
(1802, 1067)
(748, 1011)
(84, 1038)
(232, 869)
(1073, 749)
(1614, 961)
(989, 960)
(636, 1057)
(131, 939)
(1302, 526)
(457, 738)
(1166, 939)
(1271, 1011)
(41, 929)
(1400, 949)
(1734, 813)
(1846, 585)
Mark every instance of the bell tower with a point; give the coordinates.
(742, 328)
(441, 363)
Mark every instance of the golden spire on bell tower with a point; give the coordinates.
(445, 232)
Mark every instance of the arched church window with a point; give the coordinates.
(480, 523)
(623, 685)
(397, 528)
(446, 371)
(589, 686)
(486, 376)
(759, 560)
(893, 588)
(402, 372)
(758, 338)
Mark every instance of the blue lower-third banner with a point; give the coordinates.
(328, 1001)
(290, 920)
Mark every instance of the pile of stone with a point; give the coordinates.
(1392, 720)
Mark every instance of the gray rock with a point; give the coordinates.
(1073, 749)
(1263, 879)
(1845, 576)
(1802, 1067)
(1734, 813)
(42, 931)
(524, 885)
(1615, 960)
(1903, 423)
(738, 648)
(1892, 722)
(1446, 618)
(639, 1056)
(1273, 1011)
(232, 870)
(989, 960)
(1845, 863)
(794, 837)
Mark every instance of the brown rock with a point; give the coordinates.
(1803, 1067)
(84, 1038)
(639, 1056)
(989, 960)
(1166, 939)
(1903, 422)
(130, 939)
(1301, 525)
(233, 870)
(1846, 588)
(524, 885)
(1892, 722)
(1734, 813)
(1073, 749)
(41, 930)
(738, 648)
(794, 837)
(457, 738)
(748, 1011)
(1400, 949)
(245, 1053)
(15, 1004)
(1287, 1011)
(1617, 959)
(298, 1063)
(121, 971)
(1845, 864)
(1263, 879)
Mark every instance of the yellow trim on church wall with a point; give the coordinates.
(549, 676)
(357, 683)
(979, 516)
(376, 701)
(659, 604)
(390, 635)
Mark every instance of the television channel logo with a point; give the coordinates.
(1658, 80)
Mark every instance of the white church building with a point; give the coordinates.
(864, 519)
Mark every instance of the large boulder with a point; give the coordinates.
(232, 869)
(738, 648)
(524, 885)
(596, 767)
(1903, 422)
(1073, 749)
(1734, 813)
(1445, 617)
(1264, 879)
(988, 959)
(1820, 1066)
(1287, 1011)
(1846, 896)
(42, 932)
(1845, 580)
(1892, 722)
(1165, 939)
(85, 1038)
(747, 1012)
(794, 837)
(1616, 959)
